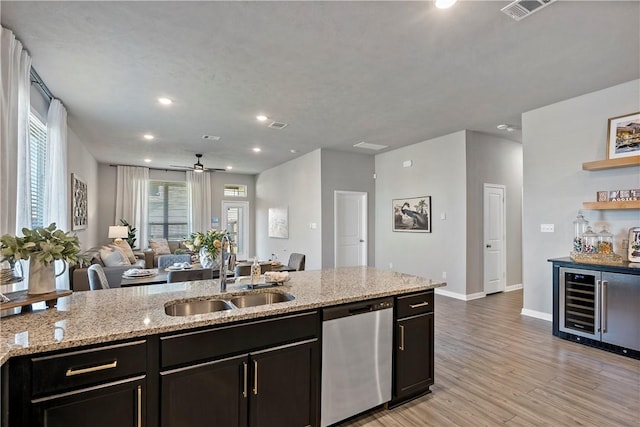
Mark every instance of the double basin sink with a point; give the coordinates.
(212, 305)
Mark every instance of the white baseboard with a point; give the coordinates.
(537, 314)
(510, 288)
(462, 297)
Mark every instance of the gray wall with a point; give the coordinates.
(346, 172)
(557, 139)
(295, 184)
(439, 171)
(493, 160)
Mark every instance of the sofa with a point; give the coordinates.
(79, 278)
(151, 256)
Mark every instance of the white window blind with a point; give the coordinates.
(168, 210)
(38, 161)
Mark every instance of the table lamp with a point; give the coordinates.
(117, 232)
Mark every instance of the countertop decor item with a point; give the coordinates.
(207, 245)
(634, 244)
(41, 247)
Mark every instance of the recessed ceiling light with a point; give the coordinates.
(262, 118)
(444, 4)
(165, 101)
(293, 151)
(229, 167)
(147, 136)
(257, 149)
(147, 160)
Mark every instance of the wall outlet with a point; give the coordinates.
(546, 228)
(443, 215)
(390, 265)
(444, 274)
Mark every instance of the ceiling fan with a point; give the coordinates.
(198, 167)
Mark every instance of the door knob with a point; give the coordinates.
(488, 246)
(361, 241)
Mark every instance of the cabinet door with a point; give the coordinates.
(620, 318)
(208, 394)
(414, 355)
(114, 404)
(284, 386)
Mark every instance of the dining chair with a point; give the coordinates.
(97, 278)
(296, 261)
(190, 275)
(165, 261)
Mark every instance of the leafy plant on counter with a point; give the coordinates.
(45, 244)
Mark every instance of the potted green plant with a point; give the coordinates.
(131, 233)
(207, 245)
(41, 247)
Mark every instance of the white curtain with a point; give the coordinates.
(57, 186)
(132, 191)
(199, 190)
(15, 67)
(56, 208)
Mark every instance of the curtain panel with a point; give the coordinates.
(199, 196)
(132, 192)
(15, 68)
(56, 207)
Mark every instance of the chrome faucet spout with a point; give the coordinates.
(223, 261)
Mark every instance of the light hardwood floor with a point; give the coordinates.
(495, 367)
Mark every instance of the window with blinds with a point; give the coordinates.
(38, 161)
(168, 210)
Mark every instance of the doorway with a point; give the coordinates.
(350, 228)
(235, 219)
(495, 257)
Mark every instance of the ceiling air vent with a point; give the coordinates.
(277, 125)
(370, 146)
(520, 9)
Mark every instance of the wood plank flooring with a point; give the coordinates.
(495, 367)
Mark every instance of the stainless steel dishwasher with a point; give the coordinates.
(357, 341)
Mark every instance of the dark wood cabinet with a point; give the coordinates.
(414, 352)
(114, 404)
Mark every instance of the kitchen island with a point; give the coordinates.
(154, 350)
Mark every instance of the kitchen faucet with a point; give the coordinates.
(223, 261)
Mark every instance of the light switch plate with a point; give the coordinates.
(546, 228)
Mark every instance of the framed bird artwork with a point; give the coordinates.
(412, 214)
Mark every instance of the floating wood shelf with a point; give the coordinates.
(629, 204)
(611, 163)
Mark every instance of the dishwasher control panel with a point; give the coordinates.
(355, 308)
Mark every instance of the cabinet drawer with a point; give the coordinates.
(209, 344)
(66, 371)
(410, 305)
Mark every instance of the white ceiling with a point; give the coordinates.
(338, 73)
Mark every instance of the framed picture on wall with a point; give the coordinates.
(279, 223)
(412, 214)
(623, 136)
(78, 203)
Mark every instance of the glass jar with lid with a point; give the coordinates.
(579, 227)
(590, 239)
(605, 241)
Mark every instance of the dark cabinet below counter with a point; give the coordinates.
(597, 305)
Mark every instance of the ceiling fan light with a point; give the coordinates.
(444, 4)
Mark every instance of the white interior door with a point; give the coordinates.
(350, 228)
(495, 274)
(235, 219)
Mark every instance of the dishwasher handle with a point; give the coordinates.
(354, 309)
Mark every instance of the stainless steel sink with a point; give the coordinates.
(188, 308)
(253, 300)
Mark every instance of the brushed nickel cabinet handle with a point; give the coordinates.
(139, 406)
(244, 389)
(422, 304)
(401, 338)
(255, 377)
(71, 372)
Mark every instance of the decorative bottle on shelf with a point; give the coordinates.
(255, 271)
(579, 227)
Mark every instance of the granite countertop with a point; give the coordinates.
(93, 317)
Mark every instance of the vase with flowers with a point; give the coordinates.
(41, 246)
(207, 245)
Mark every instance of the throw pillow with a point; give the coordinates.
(112, 256)
(126, 249)
(159, 246)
